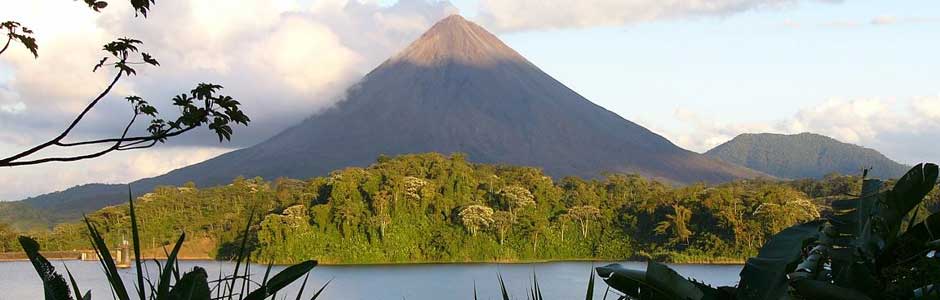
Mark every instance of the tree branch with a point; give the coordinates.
(9, 161)
(9, 38)
(136, 139)
(61, 159)
(124, 148)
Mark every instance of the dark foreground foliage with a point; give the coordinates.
(875, 246)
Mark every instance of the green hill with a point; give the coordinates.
(804, 155)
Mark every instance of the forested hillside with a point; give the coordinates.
(804, 155)
(431, 207)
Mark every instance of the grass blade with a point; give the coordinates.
(302, 286)
(75, 288)
(282, 279)
(241, 253)
(475, 290)
(135, 238)
(107, 262)
(163, 286)
(502, 286)
(590, 290)
(538, 290)
(267, 272)
(323, 288)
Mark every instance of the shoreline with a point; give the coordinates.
(717, 261)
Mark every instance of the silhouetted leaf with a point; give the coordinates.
(193, 285)
(281, 280)
(53, 284)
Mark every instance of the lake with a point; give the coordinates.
(558, 280)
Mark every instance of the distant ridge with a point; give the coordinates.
(805, 155)
(457, 88)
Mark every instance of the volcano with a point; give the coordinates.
(457, 88)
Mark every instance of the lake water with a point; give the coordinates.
(558, 280)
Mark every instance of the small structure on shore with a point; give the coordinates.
(123, 257)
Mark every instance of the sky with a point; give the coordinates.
(698, 72)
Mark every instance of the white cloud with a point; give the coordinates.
(283, 60)
(906, 130)
(560, 14)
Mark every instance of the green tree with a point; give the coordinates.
(676, 223)
(503, 221)
(516, 197)
(584, 215)
(380, 213)
(476, 217)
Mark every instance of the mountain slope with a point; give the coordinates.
(804, 155)
(458, 88)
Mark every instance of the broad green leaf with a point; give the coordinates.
(765, 276)
(657, 282)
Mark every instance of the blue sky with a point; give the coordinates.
(697, 72)
(753, 70)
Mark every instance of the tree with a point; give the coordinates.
(201, 106)
(515, 196)
(7, 238)
(379, 205)
(413, 187)
(563, 220)
(678, 223)
(503, 222)
(476, 217)
(584, 215)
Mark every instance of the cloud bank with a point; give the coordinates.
(521, 15)
(906, 130)
(284, 60)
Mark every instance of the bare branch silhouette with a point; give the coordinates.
(216, 111)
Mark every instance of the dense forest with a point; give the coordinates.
(437, 208)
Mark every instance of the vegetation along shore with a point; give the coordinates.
(433, 208)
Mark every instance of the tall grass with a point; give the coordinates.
(170, 285)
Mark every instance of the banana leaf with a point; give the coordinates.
(810, 289)
(657, 282)
(911, 243)
(765, 276)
